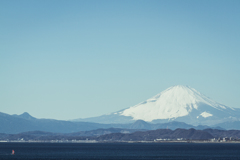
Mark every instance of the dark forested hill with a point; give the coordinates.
(157, 134)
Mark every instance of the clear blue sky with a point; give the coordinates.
(75, 59)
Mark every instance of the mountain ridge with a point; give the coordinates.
(13, 124)
(177, 103)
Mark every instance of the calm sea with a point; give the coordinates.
(117, 151)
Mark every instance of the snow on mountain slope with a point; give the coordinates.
(174, 102)
(177, 103)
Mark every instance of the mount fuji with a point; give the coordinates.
(177, 103)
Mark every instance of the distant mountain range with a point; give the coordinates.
(23, 123)
(177, 107)
(177, 103)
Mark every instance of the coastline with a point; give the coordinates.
(94, 141)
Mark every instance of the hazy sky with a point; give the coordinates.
(77, 59)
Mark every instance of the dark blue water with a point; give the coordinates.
(117, 151)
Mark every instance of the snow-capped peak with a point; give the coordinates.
(174, 102)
